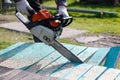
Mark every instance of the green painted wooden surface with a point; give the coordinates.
(99, 56)
(112, 57)
(78, 71)
(11, 48)
(92, 76)
(16, 74)
(43, 59)
(61, 61)
(87, 53)
(109, 74)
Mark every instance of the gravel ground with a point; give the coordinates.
(99, 41)
(74, 34)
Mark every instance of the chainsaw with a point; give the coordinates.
(48, 28)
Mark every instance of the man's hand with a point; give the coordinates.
(23, 7)
(62, 10)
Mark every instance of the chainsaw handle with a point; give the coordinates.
(63, 21)
(67, 21)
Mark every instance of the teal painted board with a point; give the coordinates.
(99, 56)
(87, 53)
(67, 67)
(109, 74)
(28, 56)
(76, 72)
(13, 52)
(53, 67)
(47, 60)
(68, 45)
(60, 62)
(11, 48)
(93, 73)
(78, 49)
(118, 77)
(112, 57)
(44, 62)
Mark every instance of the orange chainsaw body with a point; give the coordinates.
(44, 14)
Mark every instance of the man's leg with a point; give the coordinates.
(35, 4)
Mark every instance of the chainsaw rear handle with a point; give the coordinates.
(67, 21)
(63, 21)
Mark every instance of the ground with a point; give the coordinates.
(7, 18)
(80, 36)
(100, 40)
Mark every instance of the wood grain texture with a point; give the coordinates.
(99, 56)
(51, 65)
(27, 56)
(112, 57)
(93, 73)
(87, 53)
(110, 74)
(60, 62)
(67, 67)
(77, 72)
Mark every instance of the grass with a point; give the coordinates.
(108, 24)
(4, 45)
(8, 37)
(97, 25)
(13, 36)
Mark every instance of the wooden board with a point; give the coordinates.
(26, 55)
(99, 56)
(109, 74)
(112, 57)
(87, 53)
(45, 61)
(15, 74)
(93, 73)
(76, 72)
(60, 62)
